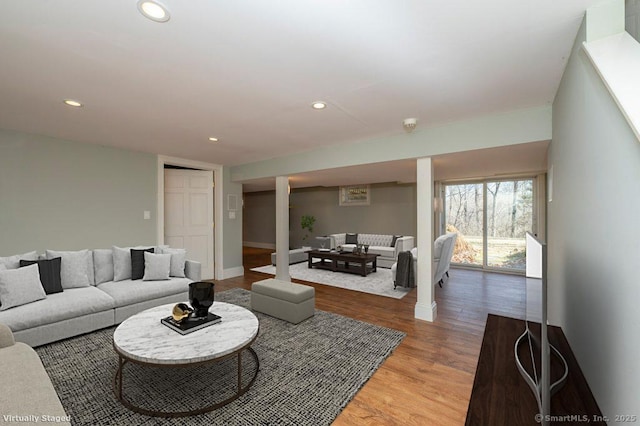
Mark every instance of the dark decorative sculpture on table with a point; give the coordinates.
(201, 297)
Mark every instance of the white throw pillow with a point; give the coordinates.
(156, 266)
(20, 286)
(103, 265)
(74, 267)
(122, 261)
(13, 262)
(178, 259)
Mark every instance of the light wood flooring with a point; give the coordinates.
(428, 378)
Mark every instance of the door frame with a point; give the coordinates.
(218, 202)
(539, 215)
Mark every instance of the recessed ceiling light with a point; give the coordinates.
(213, 139)
(318, 105)
(72, 103)
(153, 10)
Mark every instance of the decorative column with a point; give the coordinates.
(282, 228)
(426, 308)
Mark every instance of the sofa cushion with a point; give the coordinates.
(137, 262)
(27, 390)
(122, 261)
(383, 251)
(20, 286)
(394, 239)
(156, 266)
(76, 269)
(178, 259)
(128, 292)
(103, 265)
(13, 262)
(71, 303)
(375, 239)
(49, 273)
(351, 239)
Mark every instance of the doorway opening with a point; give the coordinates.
(202, 231)
(491, 218)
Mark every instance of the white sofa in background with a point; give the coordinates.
(80, 310)
(378, 244)
(443, 248)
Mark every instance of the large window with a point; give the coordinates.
(491, 219)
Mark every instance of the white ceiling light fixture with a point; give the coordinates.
(319, 105)
(410, 124)
(73, 103)
(154, 10)
(212, 139)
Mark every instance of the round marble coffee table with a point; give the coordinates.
(142, 339)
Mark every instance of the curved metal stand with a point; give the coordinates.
(117, 386)
(537, 391)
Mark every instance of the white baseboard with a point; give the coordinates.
(426, 312)
(232, 272)
(259, 245)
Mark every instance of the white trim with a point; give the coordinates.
(426, 312)
(616, 59)
(218, 204)
(259, 245)
(238, 271)
(425, 303)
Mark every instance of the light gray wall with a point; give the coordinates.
(63, 195)
(392, 211)
(232, 232)
(594, 237)
(259, 218)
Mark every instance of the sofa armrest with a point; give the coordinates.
(6, 337)
(193, 270)
(404, 244)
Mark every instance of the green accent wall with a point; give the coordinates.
(64, 195)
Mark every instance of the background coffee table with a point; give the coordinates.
(343, 261)
(142, 339)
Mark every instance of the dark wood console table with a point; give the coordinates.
(500, 395)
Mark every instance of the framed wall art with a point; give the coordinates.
(355, 195)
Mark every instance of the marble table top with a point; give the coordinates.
(143, 338)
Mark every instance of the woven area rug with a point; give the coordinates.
(308, 373)
(379, 282)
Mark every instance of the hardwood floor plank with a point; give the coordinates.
(429, 377)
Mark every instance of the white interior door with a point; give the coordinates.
(188, 215)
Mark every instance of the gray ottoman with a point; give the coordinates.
(281, 299)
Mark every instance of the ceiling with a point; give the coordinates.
(247, 71)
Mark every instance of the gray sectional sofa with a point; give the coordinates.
(96, 305)
(27, 395)
(387, 246)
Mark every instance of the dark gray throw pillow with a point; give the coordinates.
(395, 238)
(49, 273)
(137, 263)
(351, 239)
